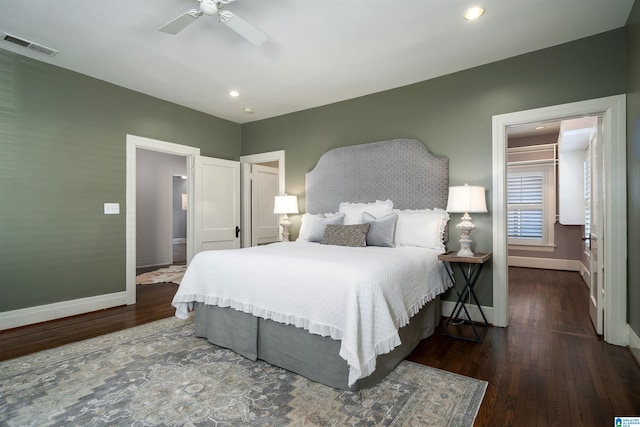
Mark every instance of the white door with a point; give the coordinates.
(216, 204)
(596, 230)
(264, 188)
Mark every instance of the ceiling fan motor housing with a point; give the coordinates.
(208, 7)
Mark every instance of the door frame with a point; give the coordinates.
(245, 186)
(133, 143)
(614, 245)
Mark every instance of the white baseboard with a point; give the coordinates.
(585, 274)
(448, 306)
(152, 262)
(544, 263)
(634, 344)
(43, 313)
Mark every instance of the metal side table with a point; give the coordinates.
(471, 273)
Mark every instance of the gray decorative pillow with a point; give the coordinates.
(346, 235)
(317, 232)
(382, 230)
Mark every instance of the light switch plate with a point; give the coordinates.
(112, 208)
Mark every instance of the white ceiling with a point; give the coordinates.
(318, 52)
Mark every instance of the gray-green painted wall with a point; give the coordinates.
(62, 155)
(633, 166)
(62, 151)
(452, 115)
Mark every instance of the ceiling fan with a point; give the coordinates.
(213, 7)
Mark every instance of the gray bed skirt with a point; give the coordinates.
(296, 350)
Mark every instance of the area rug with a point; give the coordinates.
(160, 374)
(171, 274)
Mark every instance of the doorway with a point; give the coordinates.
(614, 245)
(265, 228)
(273, 159)
(553, 196)
(133, 144)
(160, 220)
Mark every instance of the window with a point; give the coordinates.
(530, 205)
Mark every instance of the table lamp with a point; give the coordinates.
(464, 199)
(285, 205)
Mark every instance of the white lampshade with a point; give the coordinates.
(466, 198)
(285, 205)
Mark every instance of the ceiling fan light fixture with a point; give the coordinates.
(208, 7)
(216, 7)
(473, 13)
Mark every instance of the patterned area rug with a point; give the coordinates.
(171, 274)
(160, 374)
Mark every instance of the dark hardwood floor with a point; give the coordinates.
(548, 368)
(153, 303)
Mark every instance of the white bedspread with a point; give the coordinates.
(361, 296)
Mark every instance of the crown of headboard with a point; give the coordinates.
(402, 170)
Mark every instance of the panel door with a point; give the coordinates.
(264, 188)
(596, 235)
(216, 204)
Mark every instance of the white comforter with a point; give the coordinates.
(361, 296)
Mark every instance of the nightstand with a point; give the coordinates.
(471, 273)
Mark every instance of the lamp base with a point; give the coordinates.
(465, 227)
(465, 252)
(285, 224)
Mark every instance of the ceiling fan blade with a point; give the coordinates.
(245, 29)
(180, 23)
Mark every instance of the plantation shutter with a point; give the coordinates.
(525, 204)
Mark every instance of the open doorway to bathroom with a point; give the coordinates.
(161, 217)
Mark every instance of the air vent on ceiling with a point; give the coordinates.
(29, 45)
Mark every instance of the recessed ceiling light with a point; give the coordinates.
(234, 93)
(247, 110)
(473, 13)
(539, 127)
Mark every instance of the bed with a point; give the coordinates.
(337, 313)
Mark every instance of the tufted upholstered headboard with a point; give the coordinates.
(402, 170)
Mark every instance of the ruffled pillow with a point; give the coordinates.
(424, 228)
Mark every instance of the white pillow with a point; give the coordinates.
(353, 211)
(424, 228)
(308, 224)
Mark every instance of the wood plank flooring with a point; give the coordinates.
(153, 303)
(548, 368)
